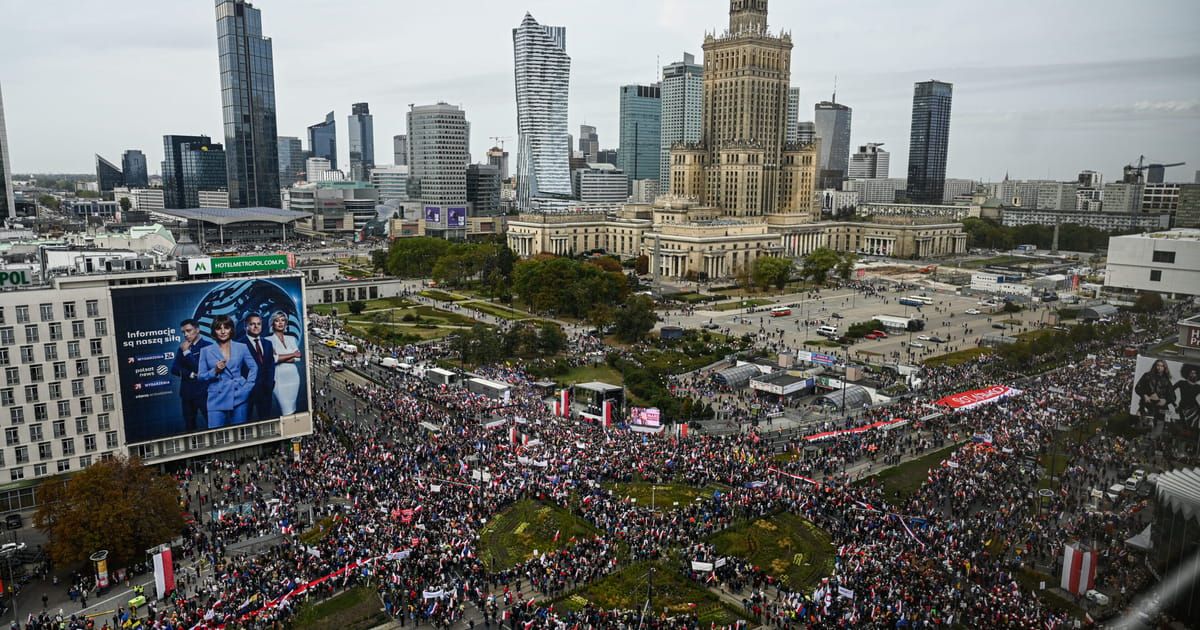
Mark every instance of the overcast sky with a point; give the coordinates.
(1042, 88)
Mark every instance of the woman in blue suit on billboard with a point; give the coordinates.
(230, 372)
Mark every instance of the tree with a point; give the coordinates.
(642, 265)
(551, 339)
(50, 201)
(770, 271)
(601, 315)
(379, 260)
(635, 319)
(1148, 302)
(818, 263)
(115, 504)
(415, 257)
(125, 204)
(357, 307)
(845, 265)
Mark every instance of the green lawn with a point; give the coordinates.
(363, 329)
(356, 609)
(435, 294)
(908, 477)
(785, 545)
(951, 359)
(670, 496)
(526, 527)
(497, 310)
(587, 373)
(736, 304)
(343, 308)
(822, 343)
(626, 589)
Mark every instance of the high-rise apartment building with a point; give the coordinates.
(362, 142)
(929, 141)
(742, 163)
(191, 164)
(589, 142)
(108, 176)
(682, 93)
(640, 152)
(322, 140)
(439, 150)
(499, 158)
(793, 115)
(392, 182)
(870, 162)
(542, 72)
(832, 121)
(248, 98)
(7, 201)
(291, 160)
(400, 150)
(133, 165)
(483, 189)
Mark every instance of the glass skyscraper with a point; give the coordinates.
(362, 142)
(291, 160)
(322, 140)
(191, 164)
(7, 202)
(832, 121)
(108, 176)
(133, 164)
(542, 73)
(640, 151)
(929, 141)
(682, 95)
(248, 103)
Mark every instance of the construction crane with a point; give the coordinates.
(499, 140)
(1152, 172)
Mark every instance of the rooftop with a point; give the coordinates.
(226, 216)
(1178, 234)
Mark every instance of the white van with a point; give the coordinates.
(828, 331)
(390, 363)
(347, 347)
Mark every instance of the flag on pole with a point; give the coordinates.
(607, 413)
(557, 532)
(1079, 568)
(564, 402)
(164, 572)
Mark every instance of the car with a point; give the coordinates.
(936, 339)
(710, 326)
(880, 334)
(973, 311)
(998, 326)
(924, 337)
(337, 366)
(837, 316)
(870, 335)
(916, 344)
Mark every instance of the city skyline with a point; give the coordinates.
(1092, 98)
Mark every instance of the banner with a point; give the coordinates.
(882, 424)
(702, 567)
(607, 414)
(645, 416)
(564, 402)
(1079, 569)
(164, 573)
(976, 397)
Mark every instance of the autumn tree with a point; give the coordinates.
(115, 504)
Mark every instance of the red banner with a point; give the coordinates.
(976, 397)
(866, 427)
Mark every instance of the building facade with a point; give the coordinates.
(639, 153)
(869, 162)
(7, 199)
(322, 140)
(793, 115)
(1163, 262)
(108, 176)
(483, 189)
(362, 142)
(589, 142)
(391, 181)
(876, 190)
(1122, 197)
(191, 164)
(1160, 197)
(1188, 214)
(600, 183)
(336, 207)
(291, 161)
(133, 165)
(1103, 221)
(929, 141)
(439, 151)
(832, 121)
(498, 157)
(400, 150)
(542, 74)
(248, 100)
(682, 92)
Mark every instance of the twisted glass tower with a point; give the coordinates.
(248, 104)
(542, 74)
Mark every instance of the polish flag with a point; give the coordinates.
(557, 532)
(608, 413)
(564, 402)
(1079, 569)
(164, 573)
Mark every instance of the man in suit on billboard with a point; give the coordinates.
(193, 393)
(262, 398)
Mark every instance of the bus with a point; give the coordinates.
(911, 301)
(781, 311)
(896, 323)
(923, 299)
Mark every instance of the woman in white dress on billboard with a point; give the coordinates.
(287, 374)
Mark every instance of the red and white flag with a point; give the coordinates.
(1079, 569)
(607, 413)
(564, 402)
(164, 573)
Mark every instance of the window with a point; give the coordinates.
(104, 365)
(1, 314)
(73, 350)
(22, 314)
(99, 385)
(31, 393)
(4, 360)
(64, 465)
(1164, 257)
(107, 402)
(81, 425)
(16, 474)
(1156, 275)
(6, 397)
(47, 311)
(60, 371)
(77, 329)
(64, 408)
(56, 333)
(26, 354)
(68, 446)
(81, 367)
(93, 308)
(51, 351)
(60, 428)
(12, 376)
(68, 310)
(85, 405)
(35, 433)
(96, 346)
(102, 327)
(89, 443)
(22, 454)
(103, 421)
(6, 336)
(85, 461)
(77, 387)
(41, 412)
(110, 439)
(39, 470)
(45, 451)
(55, 391)
(16, 415)
(36, 373)
(31, 333)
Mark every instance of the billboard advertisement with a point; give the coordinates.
(456, 217)
(645, 416)
(1167, 391)
(433, 214)
(204, 355)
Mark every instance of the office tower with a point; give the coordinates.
(248, 95)
(600, 183)
(439, 150)
(682, 93)
(607, 156)
(483, 189)
(870, 162)
(7, 201)
(400, 150)
(741, 164)
(929, 141)
(793, 115)
(806, 131)
(392, 182)
(108, 176)
(316, 169)
(191, 164)
(322, 140)
(499, 158)
(589, 142)
(362, 142)
(640, 152)
(542, 72)
(133, 165)
(833, 128)
(291, 160)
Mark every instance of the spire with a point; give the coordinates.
(747, 16)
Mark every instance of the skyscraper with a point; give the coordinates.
(7, 202)
(400, 150)
(589, 142)
(542, 72)
(833, 128)
(439, 150)
(870, 162)
(793, 115)
(362, 142)
(682, 92)
(929, 141)
(191, 164)
(248, 97)
(322, 140)
(742, 164)
(291, 160)
(483, 189)
(806, 131)
(108, 176)
(133, 165)
(499, 158)
(640, 150)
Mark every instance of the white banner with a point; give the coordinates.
(703, 567)
(845, 592)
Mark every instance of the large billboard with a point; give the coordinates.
(205, 355)
(1167, 391)
(456, 217)
(433, 214)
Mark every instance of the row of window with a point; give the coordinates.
(45, 450)
(174, 446)
(46, 311)
(50, 352)
(23, 499)
(8, 396)
(41, 411)
(37, 371)
(8, 334)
